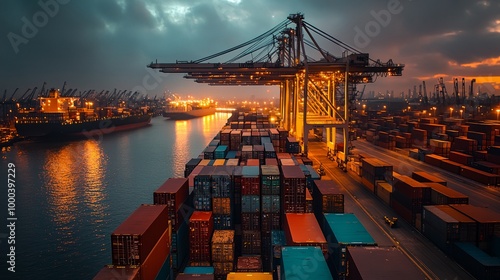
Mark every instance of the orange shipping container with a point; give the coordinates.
(302, 229)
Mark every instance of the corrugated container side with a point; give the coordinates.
(327, 197)
(222, 181)
(157, 263)
(293, 189)
(133, 240)
(270, 177)
(190, 166)
(173, 193)
(441, 194)
(384, 191)
(270, 221)
(251, 242)
(223, 246)
(250, 221)
(488, 221)
(201, 227)
(440, 228)
(250, 203)
(249, 264)
(423, 176)
(271, 203)
(476, 262)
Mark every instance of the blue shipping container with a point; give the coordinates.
(250, 203)
(270, 203)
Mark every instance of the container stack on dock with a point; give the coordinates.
(408, 197)
(466, 149)
(140, 246)
(223, 248)
(374, 169)
(327, 198)
(174, 194)
(467, 233)
(201, 227)
(222, 197)
(250, 207)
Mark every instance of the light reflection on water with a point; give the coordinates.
(72, 195)
(73, 177)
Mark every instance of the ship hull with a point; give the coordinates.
(82, 129)
(186, 115)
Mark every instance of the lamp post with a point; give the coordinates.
(498, 111)
(451, 112)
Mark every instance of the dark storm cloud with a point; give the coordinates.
(107, 44)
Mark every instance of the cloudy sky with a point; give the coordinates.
(106, 44)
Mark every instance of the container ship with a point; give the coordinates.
(188, 109)
(58, 116)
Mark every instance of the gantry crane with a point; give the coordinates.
(314, 92)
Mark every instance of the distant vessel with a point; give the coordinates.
(58, 116)
(188, 109)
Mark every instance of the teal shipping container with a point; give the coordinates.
(343, 230)
(303, 262)
(199, 270)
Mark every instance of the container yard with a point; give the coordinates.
(260, 212)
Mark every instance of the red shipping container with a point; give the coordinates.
(250, 185)
(249, 264)
(423, 176)
(412, 189)
(172, 193)
(293, 180)
(434, 160)
(461, 158)
(480, 176)
(250, 221)
(251, 242)
(441, 194)
(451, 166)
(133, 240)
(158, 258)
(270, 221)
(327, 197)
(404, 212)
(201, 227)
